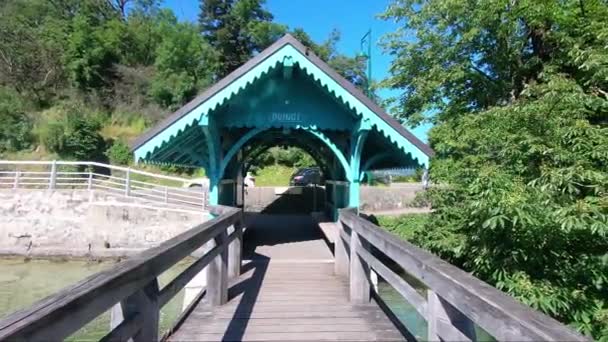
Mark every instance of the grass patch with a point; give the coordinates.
(405, 226)
(274, 175)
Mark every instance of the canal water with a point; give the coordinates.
(24, 282)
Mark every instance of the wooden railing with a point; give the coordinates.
(455, 301)
(131, 288)
(116, 180)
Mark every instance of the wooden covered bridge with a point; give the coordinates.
(285, 277)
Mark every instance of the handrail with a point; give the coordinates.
(455, 299)
(132, 287)
(119, 182)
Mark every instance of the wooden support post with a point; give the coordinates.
(359, 272)
(445, 323)
(128, 182)
(217, 273)
(341, 262)
(235, 251)
(144, 303)
(53, 177)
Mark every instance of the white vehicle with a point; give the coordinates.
(204, 182)
(197, 183)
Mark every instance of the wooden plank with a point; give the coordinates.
(496, 312)
(260, 315)
(316, 326)
(318, 336)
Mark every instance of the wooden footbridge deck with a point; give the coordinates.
(290, 286)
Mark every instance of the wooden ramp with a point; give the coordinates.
(287, 301)
(287, 292)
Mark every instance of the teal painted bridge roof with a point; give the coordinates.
(284, 87)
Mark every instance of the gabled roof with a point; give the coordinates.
(260, 58)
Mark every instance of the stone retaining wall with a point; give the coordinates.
(373, 198)
(84, 223)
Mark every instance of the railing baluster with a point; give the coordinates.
(235, 250)
(341, 263)
(143, 303)
(359, 271)
(445, 323)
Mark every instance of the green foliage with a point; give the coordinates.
(409, 227)
(119, 153)
(15, 130)
(74, 135)
(292, 157)
(519, 94)
(273, 175)
(237, 30)
(185, 64)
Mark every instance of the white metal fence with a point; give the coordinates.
(115, 180)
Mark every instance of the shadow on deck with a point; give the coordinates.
(288, 291)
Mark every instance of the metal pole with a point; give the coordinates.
(128, 182)
(53, 178)
(16, 184)
(90, 182)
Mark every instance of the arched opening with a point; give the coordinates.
(293, 197)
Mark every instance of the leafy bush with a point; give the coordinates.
(15, 130)
(519, 94)
(409, 227)
(119, 153)
(74, 135)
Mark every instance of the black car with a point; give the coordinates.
(306, 176)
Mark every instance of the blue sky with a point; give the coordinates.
(353, 18)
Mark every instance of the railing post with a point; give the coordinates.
(341, 263)
(16, 183)
(53, 176)
(441, 315)
(204, 197)
(359, 271)
(128, 183)
(166, 194)
(90, 181)
(217, 273)
(144, 303)
(235, 250)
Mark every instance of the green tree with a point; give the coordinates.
(518, 93)
(74, 134)
(30, 57)
(119, 153)
(237, 29)
(351, 68)
(184, 62)
(15, 130)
